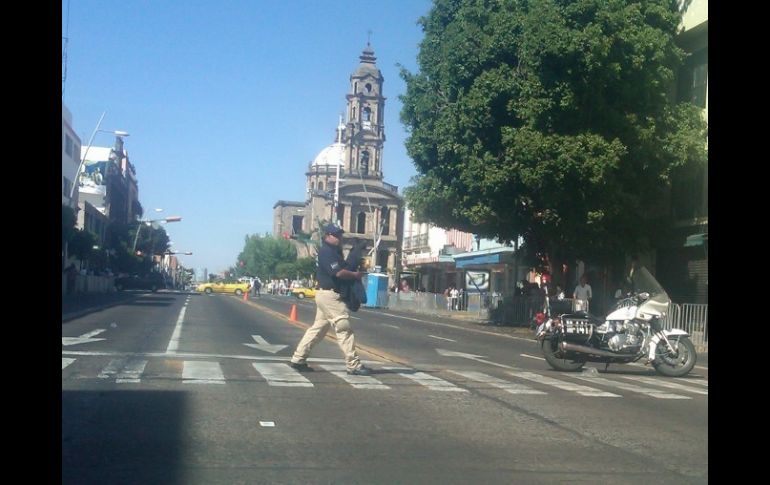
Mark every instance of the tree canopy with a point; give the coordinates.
(267, 256)
(548, 119)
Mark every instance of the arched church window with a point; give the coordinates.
(385, 220)
(340, 212)
(361, 223)
(320, 185)
(367, 114)
(368, 88)
(364, 162)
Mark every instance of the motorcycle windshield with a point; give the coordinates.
(643, 281)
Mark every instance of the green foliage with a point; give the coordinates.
(548, 120)
(262, 255)
(81, 244)
(68, 223)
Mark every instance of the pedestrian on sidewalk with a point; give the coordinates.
(330, 307)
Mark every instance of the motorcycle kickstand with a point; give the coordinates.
(606, 366)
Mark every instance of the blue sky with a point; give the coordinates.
(226, 101)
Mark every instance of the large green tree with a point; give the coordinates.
(262, 255)
(550, 120)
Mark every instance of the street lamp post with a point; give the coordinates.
(150, 222)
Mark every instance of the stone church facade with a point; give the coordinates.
(364, 205)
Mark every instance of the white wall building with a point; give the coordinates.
(70, 157)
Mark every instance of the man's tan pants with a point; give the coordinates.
(330, 310)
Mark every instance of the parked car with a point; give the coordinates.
(149, 281)
(224, 287)
(302, 292)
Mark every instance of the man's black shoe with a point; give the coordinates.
(303, 367)
(361, 371)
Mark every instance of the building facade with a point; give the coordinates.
(345, 182)
(70, 159)
(681, 261)
(108, 182)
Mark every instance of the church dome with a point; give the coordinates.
(330, 156)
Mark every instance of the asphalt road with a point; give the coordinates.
(176, 388)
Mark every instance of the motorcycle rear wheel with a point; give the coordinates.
(555, 357)
(675, 365)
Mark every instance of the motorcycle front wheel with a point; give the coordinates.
(555, 357)
(678, 363)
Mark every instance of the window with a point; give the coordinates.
(340, 212)
(296, 224)
(361, 223)
(367, 114)
(67, 144)
(320, 185)
(385, 220)
(368, 88)
(66, 186)
(364, 164)
(693, 80)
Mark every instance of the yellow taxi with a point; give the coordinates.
(303, 292)
(235, 287)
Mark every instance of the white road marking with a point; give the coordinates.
(202, 372)
(442, 338)
(359, 382)
(391, 326)
(531, 357)
(530, 339)
(132, 372)
(648, 391)
(699, 382)
(83, 339)
(92, 333)
(665, 383)
(567, 386)
(282, 375)
(112, 368)
(189, 355)
(173, 344)
(267, 424)
(431, 382)
(65, 362)
(263, 345)
(510, 387)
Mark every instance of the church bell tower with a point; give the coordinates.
(365, 132)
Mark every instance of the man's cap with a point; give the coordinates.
(333, 230)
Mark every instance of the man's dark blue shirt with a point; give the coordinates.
(330, 262)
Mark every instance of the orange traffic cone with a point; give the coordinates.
(245, 296)
(293, 314)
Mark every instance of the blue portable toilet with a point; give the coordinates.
(376, 290)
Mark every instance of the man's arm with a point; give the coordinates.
(345, 274)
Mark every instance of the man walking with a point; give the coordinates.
(582, 294)
(330, 308)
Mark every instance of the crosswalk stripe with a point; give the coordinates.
(202, 372)
(648, 391)
(699, 382)
(281, 375)
(666, 383)
(112, 368)
(359, 382)
(132, 372)
(431, 382)
(65, 362)
(510, 387)
(567, 386)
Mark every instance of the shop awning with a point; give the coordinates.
(697, 240)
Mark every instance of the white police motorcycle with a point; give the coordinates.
(632, 331)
